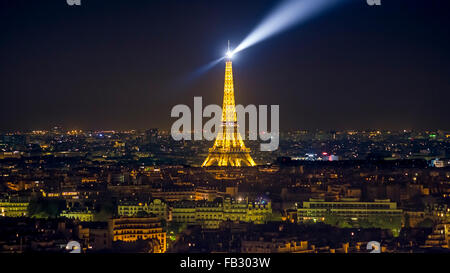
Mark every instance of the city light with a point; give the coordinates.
(302, 149)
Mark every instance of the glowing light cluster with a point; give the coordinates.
(229, 148)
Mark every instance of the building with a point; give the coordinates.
(175, 193)
(14, 207)
(350, 210)
(205, 193)
(13, 140)
(275, 245)
(207, 214)
(440, 237)
(151, 136)
(210, 214)
(131, 229)
(156, 207)
(94, 236)
(79, 215)
(184, 212)
(440, 163)
(229, 148)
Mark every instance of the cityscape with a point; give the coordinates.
(141, 191)
(354, 156)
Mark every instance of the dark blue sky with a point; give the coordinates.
(121, 64)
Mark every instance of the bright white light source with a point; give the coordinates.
(229, 54)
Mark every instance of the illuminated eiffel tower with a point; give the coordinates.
(229, 148)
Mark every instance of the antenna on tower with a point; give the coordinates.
(229, 53)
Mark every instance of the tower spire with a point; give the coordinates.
(229, 148)
(229, 52)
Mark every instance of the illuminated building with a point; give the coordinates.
(211, 214)
(130, 229)
(156, 207)
(184, 212)
(205, 193)
(440, 237)
(440, 163)
(174, 193)
(318, 210)
(21, 185)
(4, 155)
(275, 245)
(229, 148)
(13, 207)
(80, 215)
(89, 180)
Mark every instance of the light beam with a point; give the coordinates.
(285, 16)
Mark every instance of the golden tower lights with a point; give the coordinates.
(229, 148)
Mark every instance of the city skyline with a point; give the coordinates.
(227, 130)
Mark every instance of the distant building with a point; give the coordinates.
(171, 194)
(275, 245)
(151, 136)
(94, 235)
(14, 140)
(117, 178)
(440, 237)
(80, 215)
(14, 207)
(14, 154)
(130, 229)
(211, 214)
(317, 210)
(440, 163)
(156, 207)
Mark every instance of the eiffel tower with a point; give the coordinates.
(229, 148)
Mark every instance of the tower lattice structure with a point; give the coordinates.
(229, 148)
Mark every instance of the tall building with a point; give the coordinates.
(229, 148)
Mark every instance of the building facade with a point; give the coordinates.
(13, 207)
(130, 229)
(80, 215)
(156, 207)
(317, 210)
(211, 214)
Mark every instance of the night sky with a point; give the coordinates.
(122, 64)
